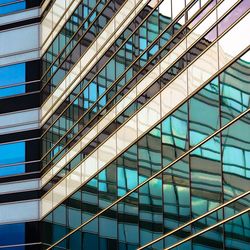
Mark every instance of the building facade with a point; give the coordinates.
(125, 124)
(19, 124)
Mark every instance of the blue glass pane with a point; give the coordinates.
(12, 153)
(12, 74)
(12, 234)
(12, 91)
(10, 170)
(5, 9)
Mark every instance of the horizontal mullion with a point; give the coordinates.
(137, 104)
(150, 46)
(51, 126)
(223, 68)
(72, 37)
(74, 47)
(149, 179)
(124, 88)
(208, 228)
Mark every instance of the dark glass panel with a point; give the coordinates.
(237, 233)
(90, 239)
(236, 158)
(128, 223)
(206, 179)
(151, 211)
(149, 154)
(176, 193)
(204, 113)
(127, 173)
(175, 135)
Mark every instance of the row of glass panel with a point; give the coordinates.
(192, 186)
(87, 36)
(74, 130)
(135, 106)
(67, 32)
(144, 120)
(231, 105)
(82, 106)
(107, 55)
(98, 86)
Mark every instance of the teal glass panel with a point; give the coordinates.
(90, 239)
(127, 173)
(108, 229)
(176, 197)
(235, 89)
(236, 158)
(210, 240)
(128, 223)
(59, 228)
(206, 179)
(90, 199)
(107, 186)
(74, 210)
(175, 135)
(204, 112)
(237, 232)
(151, 211)
(75, 240)
(149, 154)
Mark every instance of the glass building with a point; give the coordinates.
(124, 124)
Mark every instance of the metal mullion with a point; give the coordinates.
(120, 79)
(162, 90)
(18, 84)
(87, 30)
(184, 101)
(196, 219)
(222, 222)
(92, 107)
(19, 163)
(80, 26)
(155, 80)
(152, 177)
(74, 98)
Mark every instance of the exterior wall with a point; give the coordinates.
(124, 124)
(139, 122)
(19, 124)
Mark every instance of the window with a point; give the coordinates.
(12, 75)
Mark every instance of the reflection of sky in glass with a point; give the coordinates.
(5, 9)
(202, 14)
(234, 15)
(12, 74)
(12, 170)
(12, 153)
(9, 75)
